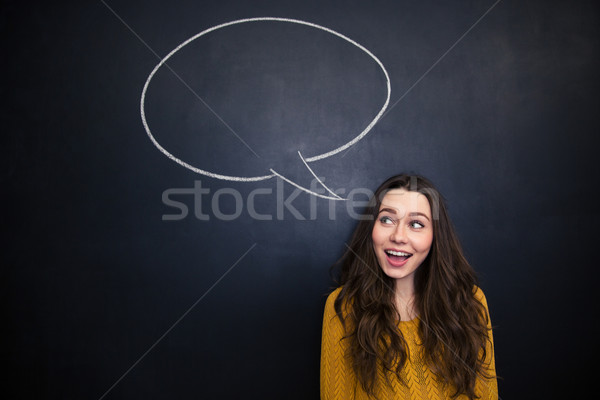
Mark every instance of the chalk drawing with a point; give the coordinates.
(305, 160)
(317, 178)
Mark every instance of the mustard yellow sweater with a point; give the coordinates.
(338, 381)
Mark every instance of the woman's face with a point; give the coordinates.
(402, 234)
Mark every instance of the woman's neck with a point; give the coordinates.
(405, 308)
(405, 300)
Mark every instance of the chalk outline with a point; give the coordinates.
(316, 177)
(437, 62)
(179, 77)
(274, 173)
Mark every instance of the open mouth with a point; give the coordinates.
(397, 256)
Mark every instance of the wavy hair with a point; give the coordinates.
(453, 323)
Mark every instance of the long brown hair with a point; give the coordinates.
(453, 323)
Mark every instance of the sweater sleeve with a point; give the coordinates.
(487, 388)
(337, 377)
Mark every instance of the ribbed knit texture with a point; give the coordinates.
(338, 381)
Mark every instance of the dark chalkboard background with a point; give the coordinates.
(105, 297)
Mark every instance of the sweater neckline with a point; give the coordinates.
(413, 321)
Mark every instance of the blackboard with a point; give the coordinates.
(131, 274)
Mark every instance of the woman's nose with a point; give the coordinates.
(399, 234)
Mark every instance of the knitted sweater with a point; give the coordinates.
(338, 381)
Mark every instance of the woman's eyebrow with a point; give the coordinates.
(412, 214)
(416, 214)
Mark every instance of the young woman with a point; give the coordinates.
(408, 321)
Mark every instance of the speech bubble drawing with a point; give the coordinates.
(273, 173)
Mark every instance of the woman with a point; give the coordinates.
(408, 321)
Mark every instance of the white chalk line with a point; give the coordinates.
(317, 178)
(195, 169)
(307, 160)
(436, 63)
(305, 189)
(180, 79)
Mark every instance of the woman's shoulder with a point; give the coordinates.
(330, 303)
(332, 297)
(479, 295)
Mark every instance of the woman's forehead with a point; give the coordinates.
(404, 201)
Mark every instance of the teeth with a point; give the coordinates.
(398, 253)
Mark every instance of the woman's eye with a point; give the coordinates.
(416, 224)
(386, 220)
